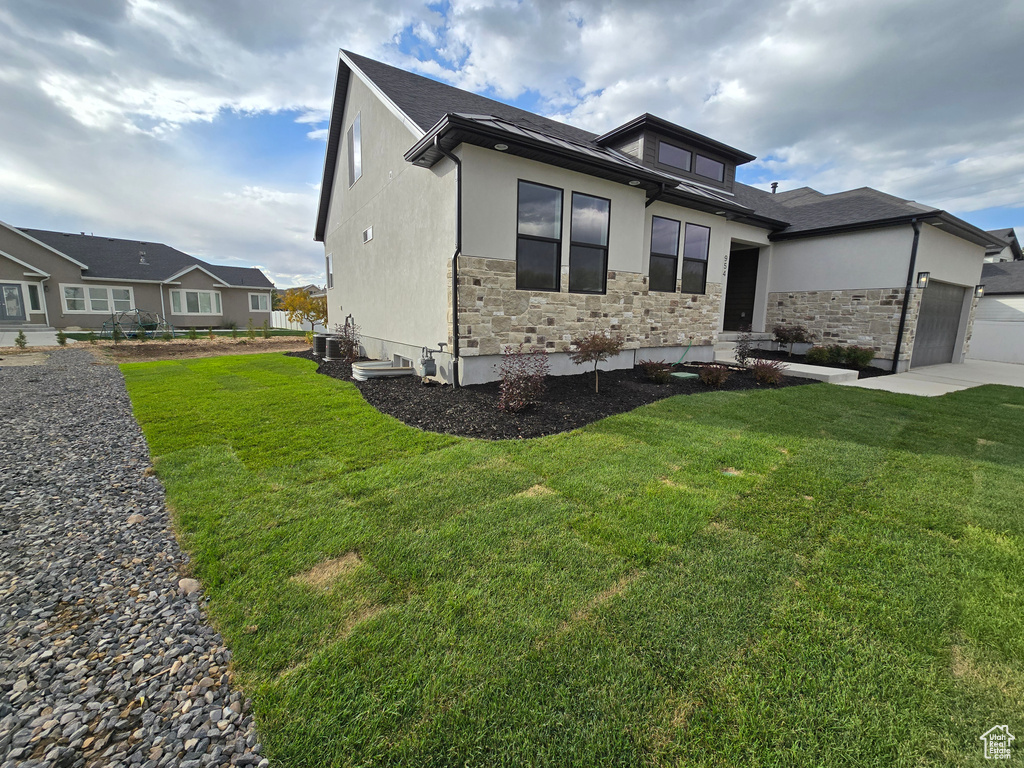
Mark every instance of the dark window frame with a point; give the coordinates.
(704, 175)
(574, 243)
(707, 253)
(535, 238)
(673, 256)
(689, 152)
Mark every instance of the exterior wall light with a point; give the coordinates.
(501, 147)
(979, 291)
(634, 183)
(922, 279)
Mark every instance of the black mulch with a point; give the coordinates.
(773, 354)
(569, 401)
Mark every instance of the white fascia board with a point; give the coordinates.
(17, 231)
(185, 271)
(407, 121)
(35, 271)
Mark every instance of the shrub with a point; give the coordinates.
(21, 341)
(192, 335)
(595, 348)
(859, 357)
(768, 371)
(117, 334)
(347, 334)
(309, 338)
(656, 371)
(211, 334)
(167, 336)
(234, 330)
(251, 330)
(62, 338)
(266, 329)
(794, 334)
(830, 354)
(714, 375)
(744, 344)
(523, 372)
(91, 337)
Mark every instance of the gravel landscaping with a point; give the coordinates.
(108, 658)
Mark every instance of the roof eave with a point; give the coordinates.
(658, 123)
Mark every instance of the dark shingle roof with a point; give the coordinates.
(1008, 238)
(1003, 277)
(118, 259)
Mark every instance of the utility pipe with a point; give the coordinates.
(906, 293)
(455, 258)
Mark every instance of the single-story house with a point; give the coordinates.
(77, 281)
(451, 218)
(999, 321)
(1006, 249)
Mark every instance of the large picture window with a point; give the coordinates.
(539, 237)
(696, 242)
(96, 299)
(588, 243)
(664, 253)
(195, 302)
(355, 151)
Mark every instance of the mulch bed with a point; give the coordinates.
(774, 354)
(569, 401)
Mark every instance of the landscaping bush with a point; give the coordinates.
(91, 337)
(768, 371)
(830, 354)
(21, 341)
(117, 334)
(859, 357)
(523, 373)
(211, 334)
(793, 334)
(266, 329)
(192, 335)
(595, 348)
(234, 330)
(167, 336)
(655, 370)
(309, 337)
(744, 344)
(714, 375)
(251, 330)
(62, 338)
(348, 338)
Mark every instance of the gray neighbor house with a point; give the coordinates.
(448, 217)
(69, 281)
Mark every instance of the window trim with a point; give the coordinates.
(607, 237)
(707, 253)
(35, 298)
(673, 256)
(535, 238)
(87, 298)
(259, 296)
(183, 302)
(354, 136)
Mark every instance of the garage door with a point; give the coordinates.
(937, 324)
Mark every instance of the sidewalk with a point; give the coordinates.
(934, 380)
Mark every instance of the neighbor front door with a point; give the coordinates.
(12, 307)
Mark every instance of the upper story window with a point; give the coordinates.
(709, 169)
(677, 157)
(696, 243)
(588, 243)
(664, 253)
(538, 237)
(355, 152)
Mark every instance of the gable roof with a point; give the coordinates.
(1003, 277)
(23, 233)
(113, 258)
(1008, 239)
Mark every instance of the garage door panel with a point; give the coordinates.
(938, 324)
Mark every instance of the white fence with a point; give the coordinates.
(279, 319)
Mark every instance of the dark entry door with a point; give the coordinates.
(938, 323)
(740, 286)
(12, 308)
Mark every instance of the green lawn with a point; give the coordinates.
(853, 594)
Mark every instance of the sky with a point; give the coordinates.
(202, 123)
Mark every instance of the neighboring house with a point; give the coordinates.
(548, 231)
(1007, 249)
(999, 320)
(71, 281)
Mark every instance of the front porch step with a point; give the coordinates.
(799, 370)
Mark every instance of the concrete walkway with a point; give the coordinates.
(934, 380)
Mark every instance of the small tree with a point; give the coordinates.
(62, 338)
(347, 334)
(744, 345)
(21, 341)
(595, 348)
(795, 334)
(303, 308)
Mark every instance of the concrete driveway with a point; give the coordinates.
(935, 380)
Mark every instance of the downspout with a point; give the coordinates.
(42, 300)
(455, 258)
(163, 312)
(906, 293)
(656, 195)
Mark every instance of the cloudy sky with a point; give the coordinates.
(202, 123)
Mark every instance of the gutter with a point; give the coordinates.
(455, 258)
(906, 294)
(658, 193)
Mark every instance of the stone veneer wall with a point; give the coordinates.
(970, 329)
(493, 314)
(867, 318)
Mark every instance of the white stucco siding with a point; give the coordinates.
(395, 285)
(875, 258)
(949, 258)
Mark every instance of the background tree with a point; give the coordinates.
(595, 348)
(303, 308)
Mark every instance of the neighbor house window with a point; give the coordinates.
(34, 304)
(539, 241)
(259, 302)
(97, 299)
(677, 157)
(695, 258)
(664, 253)
(355, 152)
(708, 168)
(195, 302)
(330, 270)
(588, 243)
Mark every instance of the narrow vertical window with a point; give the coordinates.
(98, 301)
(330, 270)
(355, 152)
(34, 304)
(664, 253)
(588, 244)
(539, 237)
(695, 258)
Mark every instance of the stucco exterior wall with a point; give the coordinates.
(949, 258)
(852, 261)
(394, 285)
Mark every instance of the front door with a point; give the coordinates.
(740, 287)
(12, 307)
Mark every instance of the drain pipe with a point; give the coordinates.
(658, 193)
(906, 294)
(455, 258)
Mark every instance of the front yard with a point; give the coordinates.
(813, 575)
